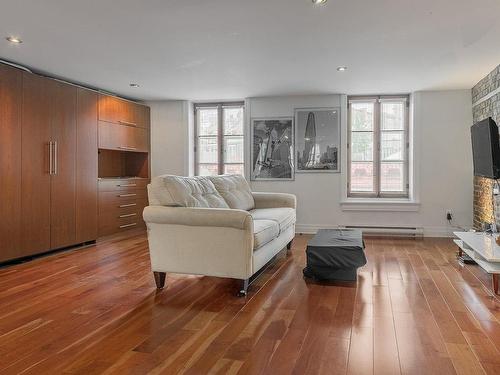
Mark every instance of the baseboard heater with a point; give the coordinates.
(389, 231)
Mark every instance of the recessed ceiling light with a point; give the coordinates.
(319, 2)
(342, 68)
(134, 85)
(13, 39)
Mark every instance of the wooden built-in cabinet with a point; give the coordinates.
(48, 148)
(60, 147)
(124, 172)
(86, 166)
(11, 86)
(37, 163)
(121, 202)
(123, 137)
(123, 112)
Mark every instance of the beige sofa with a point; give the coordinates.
(215, 226)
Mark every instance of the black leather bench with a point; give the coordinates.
(335, 254)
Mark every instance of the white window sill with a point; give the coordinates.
(379, 204)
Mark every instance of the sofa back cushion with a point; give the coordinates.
(235, 191)
(179, 191)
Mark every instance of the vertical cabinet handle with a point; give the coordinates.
(55, 157)
(50, 157)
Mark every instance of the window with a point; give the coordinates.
(219, 145)
(378, 147)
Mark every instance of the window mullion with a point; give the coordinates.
(220, 140)
(377, 167)
(196, 142)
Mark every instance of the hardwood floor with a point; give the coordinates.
(414, 310)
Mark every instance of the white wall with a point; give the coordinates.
(170, 141)
(318, 194)
(446, 174)
(442, 149)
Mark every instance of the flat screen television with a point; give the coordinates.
(486, 149)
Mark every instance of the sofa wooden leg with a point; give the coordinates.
(244, 288)
(289, 245)
(160, 279)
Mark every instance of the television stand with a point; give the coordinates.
(483, 249)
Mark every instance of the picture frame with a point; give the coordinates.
(317, 140)
(272, 149)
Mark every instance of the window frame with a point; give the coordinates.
(220, 106)
(377, 135)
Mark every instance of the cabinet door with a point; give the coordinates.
(123, 112)
(10, 161)
(63, 183)
(86, 166)
(35, 186)
(141, 115)
(109, 108)
(123, 138)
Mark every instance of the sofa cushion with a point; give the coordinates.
(179, 191)
(284, 216)
(264, 231)
(235, 191)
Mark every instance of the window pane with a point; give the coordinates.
(207, 150)
(233, 149)
(362, 116)
(233, 121)
(392, 115)
(208, 169)
(392, 145)
(361, 146)
(392, 177)
(233, 169)
(207, 121)
(361, 177)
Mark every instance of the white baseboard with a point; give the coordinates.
(428, 231)
(439, 232)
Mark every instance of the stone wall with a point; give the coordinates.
(485, 105)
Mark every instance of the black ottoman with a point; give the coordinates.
(334, 254)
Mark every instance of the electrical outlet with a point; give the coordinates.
(449, 215)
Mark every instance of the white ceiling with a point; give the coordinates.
(228, 49)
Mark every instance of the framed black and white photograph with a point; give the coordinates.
(272, 149)
(317, 139)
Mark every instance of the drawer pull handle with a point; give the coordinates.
(127, 225)
(127, 185)
(127, 148)
(127, 195)
(127, 205)
(127, 123)
(128, 215)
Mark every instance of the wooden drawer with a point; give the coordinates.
(110, 225)
(130, 212)
(119, 212)
(122, 137)
(121, 208)
(121, 196)
(123, 184)
(119, 111)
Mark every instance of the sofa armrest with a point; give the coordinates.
(210, 217)
(274, 200)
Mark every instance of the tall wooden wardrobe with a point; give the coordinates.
(48, 159)
(74, 164)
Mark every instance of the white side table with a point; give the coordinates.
(484, 250)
